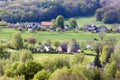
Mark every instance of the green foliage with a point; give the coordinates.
(28, 69)
(71, 44)
(60, 21)
(56, 44)
(99, 14)
(58, 29)
(110, 70)
(25, 55)
(15, 78)
(117, 48)
(48, 64)
(3, 52)
(98, 74)
(3, 62)
(16, 41)
(42, 75)
(47, 42)
(72, 23)
(80, 72)
(117, 76)
(77, 58)
(105, 54)
(61, 62)
(61, 74)
(31, 40)
(97, 61)
(32, 68)
(15, 57)
(110, 17)
(116, 57)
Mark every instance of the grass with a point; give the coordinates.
(88, 20)
(6, 33)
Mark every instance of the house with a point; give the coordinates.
(118, 30)
(46, 25)
(32, 26)
(75, 48)
(63, 47)
(102, 29)
(90, 28)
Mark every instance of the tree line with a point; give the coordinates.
(37, 11)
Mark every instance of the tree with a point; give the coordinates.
(72, 23)
(60, 21)
(117, 76)
(42, 75)
(32, 67)
(110, 17)
(61, 74)
(98, 74)
(15, 57)
(117, 49)
(97, 48)
(116, 57)
(106, 54)
(77, 59)
(71, 44)
(16, 41)
(110, 70)
(99, 14)
(111, 41)
(3, 52)
(25, 55)
(31, 40)
(56, 44)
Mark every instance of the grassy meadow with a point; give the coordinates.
(6, 33)
(81, 21)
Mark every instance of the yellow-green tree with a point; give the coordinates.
(105, 54)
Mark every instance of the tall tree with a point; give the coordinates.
(72, 23)
(60, 21)
(16, 41)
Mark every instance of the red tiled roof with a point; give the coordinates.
(46, 23)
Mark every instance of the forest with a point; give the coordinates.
(37, 11)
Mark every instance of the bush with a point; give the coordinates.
(32, 68)
(25, 55)
(61, 74)
(15, 57)
(42, 75)
(77, 59)
(58, 29)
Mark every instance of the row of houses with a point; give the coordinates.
(63, 48)
(94, 28)
(31, 25)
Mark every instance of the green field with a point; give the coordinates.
(6, 33)
(81, 21)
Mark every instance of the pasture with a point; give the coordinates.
(81, 21)
(6, 33)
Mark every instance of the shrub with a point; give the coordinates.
(61, 74)
(42, 75)
(77, 59)
(25, 55)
